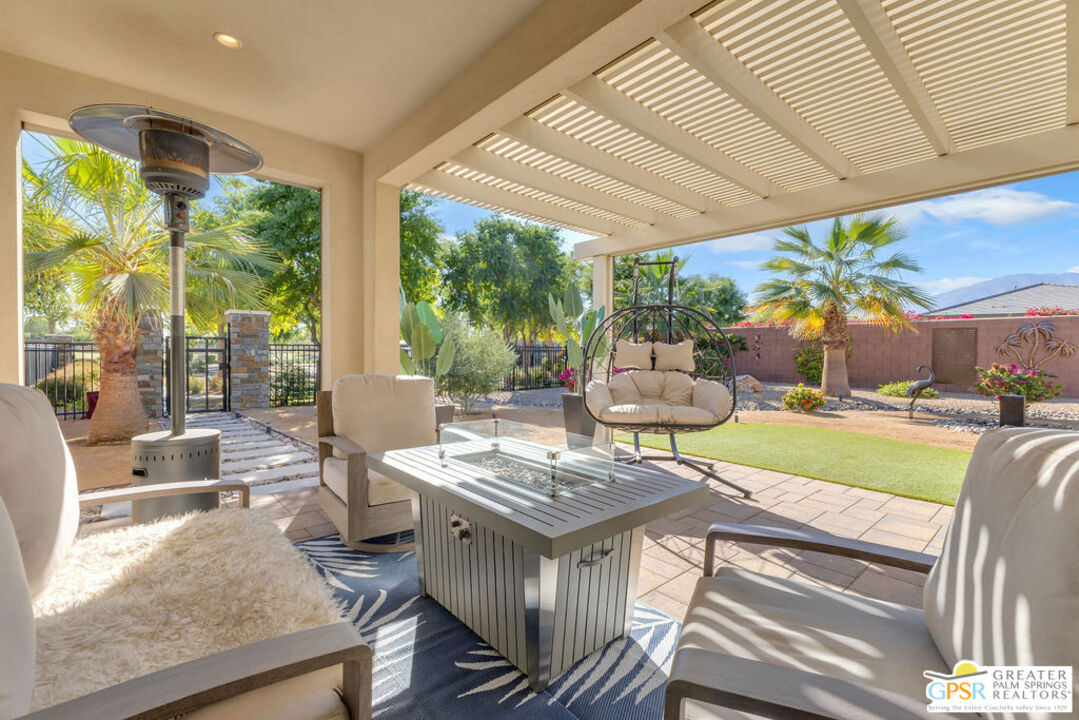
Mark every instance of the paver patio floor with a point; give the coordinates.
(674, 546)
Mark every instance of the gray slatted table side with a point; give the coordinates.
(551, 526)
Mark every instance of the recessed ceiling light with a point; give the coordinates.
(229, 41)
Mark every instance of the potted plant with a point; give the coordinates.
(576, 324)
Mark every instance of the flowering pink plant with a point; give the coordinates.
(569, 378)
(1032, 383)
(1046, 310)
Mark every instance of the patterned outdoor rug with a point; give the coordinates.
(427, 664)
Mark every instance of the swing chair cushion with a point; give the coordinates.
(659, 399)
(633, 356)
(674, 357)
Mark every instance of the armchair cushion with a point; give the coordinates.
(380, 489)
(788, 623)
(137, 599)
(314, 696)
(385, 412)
(674, 357)
(16, 625)
(1005, 589)
(37, 482)
(633, 356)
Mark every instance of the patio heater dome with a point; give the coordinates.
(176, 156)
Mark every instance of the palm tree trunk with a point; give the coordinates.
(119, 415)
(834, 338)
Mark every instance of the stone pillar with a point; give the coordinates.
(148, 364)
(249, 342)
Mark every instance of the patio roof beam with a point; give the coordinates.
(1072, 54)
(871, 22)
(551, 141)
(511, 201)
(602, 98)
(706, 55)
(499, 166)
(1045, 153)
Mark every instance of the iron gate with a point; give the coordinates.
(208, 377)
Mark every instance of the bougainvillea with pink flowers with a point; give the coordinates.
(1045, 310)
(1032, 383)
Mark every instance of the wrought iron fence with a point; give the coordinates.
(208, 378)
(65, 372)
(295, 374)
(538, 366)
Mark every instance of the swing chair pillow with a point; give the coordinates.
(633, 356)
(674, 357)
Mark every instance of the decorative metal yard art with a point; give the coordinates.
(1038, 339)
(918, 387)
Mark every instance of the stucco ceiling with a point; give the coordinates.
(342, 71)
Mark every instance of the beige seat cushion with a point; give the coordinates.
(1006, 588)
(385, 412)
(137, 599)
(656, 415)
(674, 357)
(315, 696)
(380, 489)
(16, 626)
(37, 482)
(629, 356)
(792, 624)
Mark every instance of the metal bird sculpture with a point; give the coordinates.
(918, 387)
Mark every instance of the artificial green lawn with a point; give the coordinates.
(923, 472)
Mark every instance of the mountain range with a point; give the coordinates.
(1002, 284)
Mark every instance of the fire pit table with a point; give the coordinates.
(535, 546)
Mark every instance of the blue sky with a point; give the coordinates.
(959, 240)
(1027, 227)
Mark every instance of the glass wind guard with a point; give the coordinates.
(530, 456)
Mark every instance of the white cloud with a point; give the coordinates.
(746, 264)
(945, 284)
(741, 243)
(997, 206)
(1073, 269)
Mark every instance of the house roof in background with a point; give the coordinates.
(1017, 302)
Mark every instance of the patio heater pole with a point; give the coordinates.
(177, 223)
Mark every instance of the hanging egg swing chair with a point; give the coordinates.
(660, 368)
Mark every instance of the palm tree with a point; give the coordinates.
(819, 287)
(91, 216)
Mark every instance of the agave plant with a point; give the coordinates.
(1039, 339)
(577, 325)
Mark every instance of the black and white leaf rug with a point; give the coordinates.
(427, 664)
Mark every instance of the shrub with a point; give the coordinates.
(1033, 384)
(291, 384)
(480, 364)
(69, 383)
(195, 385)
(803, 399)
(810, 364)
(899, 388)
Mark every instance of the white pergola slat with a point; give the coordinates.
(750, 114)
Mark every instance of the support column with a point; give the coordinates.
(148, 364)
(249, 360)
(382, 277)
(11, 346)
(343, 263)
(603, 282)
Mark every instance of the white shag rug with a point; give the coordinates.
(134, 600)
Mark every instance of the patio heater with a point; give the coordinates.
(176, 156)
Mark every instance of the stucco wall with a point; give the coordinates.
(879, 356)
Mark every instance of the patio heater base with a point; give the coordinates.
(161, 457)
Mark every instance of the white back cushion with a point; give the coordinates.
(674, 357)
(16, 626)
(385, 412)
(37, 482)
(1006, 588)
(630, 356)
